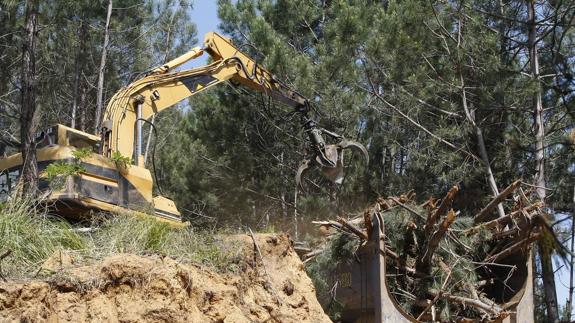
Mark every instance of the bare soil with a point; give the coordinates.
(155, 288)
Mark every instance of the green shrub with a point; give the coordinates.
(122, 162)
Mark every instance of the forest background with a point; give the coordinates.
(476, 93)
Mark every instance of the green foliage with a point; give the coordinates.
(82, 153)
(58, 172)
(122, 162)
(62, 169)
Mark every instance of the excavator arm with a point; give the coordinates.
(164, 87)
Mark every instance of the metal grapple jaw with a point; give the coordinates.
(328, 158)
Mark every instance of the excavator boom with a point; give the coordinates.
(164, 87)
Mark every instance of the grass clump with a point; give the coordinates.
(129, 233)
(32, 237)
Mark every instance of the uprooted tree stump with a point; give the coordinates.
(437, 263)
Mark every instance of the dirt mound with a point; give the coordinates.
(272, 287)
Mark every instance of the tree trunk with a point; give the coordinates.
(8, 24)
(545, 252)
(569, 305)
(28, 119)
(100, 95)
(82, 107)
(78, 71)
(481, 144)
(296, 235)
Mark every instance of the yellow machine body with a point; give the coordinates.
(100, 185)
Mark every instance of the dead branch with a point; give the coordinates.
(493, 309)
(436, 298)
(423, 262)
(312, 254)
(500, 222)
(387, 252)
(479, 217)
(304, 250)
(398, 202)
(353, 229)
(367, 218)
(513, 248)
(434, 215)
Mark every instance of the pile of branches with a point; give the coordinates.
(442, 265)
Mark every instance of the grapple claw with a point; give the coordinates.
(333, 172)
(329, 160)
(354, 145)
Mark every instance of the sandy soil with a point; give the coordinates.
(131, 288)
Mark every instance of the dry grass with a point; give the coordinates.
(32, 237)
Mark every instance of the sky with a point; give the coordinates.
(562, 272)
(204, 14)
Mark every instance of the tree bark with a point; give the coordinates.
(82, 106)
(78, 71)
(295, 213)
(470, 115)
(423, 261)
(28, 117)
(545, 251)
(569, 305)
(100, 94)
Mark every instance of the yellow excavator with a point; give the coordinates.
(112, 175)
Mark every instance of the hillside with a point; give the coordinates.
(155, 288)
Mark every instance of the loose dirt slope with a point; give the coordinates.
(131, 288)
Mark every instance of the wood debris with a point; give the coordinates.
(442, 262)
